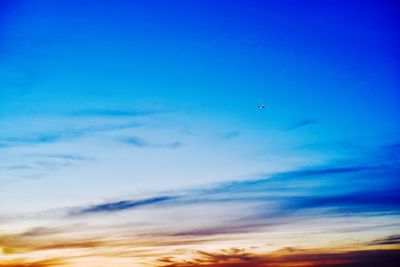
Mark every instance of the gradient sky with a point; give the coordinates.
(130, 133)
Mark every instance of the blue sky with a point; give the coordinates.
(117, 105)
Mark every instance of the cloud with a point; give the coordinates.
(176, 144)
(31, 139)
(17, 167)
(228, 257)
(67, 134)
(301, 124)
(235, 257)
(38, 161)
(387, 154)
(42, 238)
(239, 227)
(24, 263)
(70, 157)
(82, 237)
(307, 193)
(327, 171)
(135, 141)
(230, 135)
(292, 181)
(348, 189)
(389, 240)
(138, 142)
(357, 202)
(123, 205)
(113, 112)
(257, 205)
(40, 231)
(336, 188)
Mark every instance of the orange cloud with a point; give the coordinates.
(44, 263)
(21, 243)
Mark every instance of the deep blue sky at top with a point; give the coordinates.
(331, 61)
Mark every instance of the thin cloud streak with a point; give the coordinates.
(114, 112)
(33, 139)
(302, 124)
(25, 263)
(72, 157)
(48, 138)
(390, 240)
(138, 142)
(231, 135)
(123, 205)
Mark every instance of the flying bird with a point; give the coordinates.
(261, 106)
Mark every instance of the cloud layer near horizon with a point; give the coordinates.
(309, 208)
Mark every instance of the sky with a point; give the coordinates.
(131, 133)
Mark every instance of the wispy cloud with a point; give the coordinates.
(135, 141)
(27, 242)
(26, 263)
(32, 139)
(230, 135)
(70, 157)
(38, 164)
(123, 205)
(139, 142)
(389, 240)
(356, 202)
(235, 227)
(114, 112)
(17, 167)
(40, 231)
(301, 124)
(57, 136)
